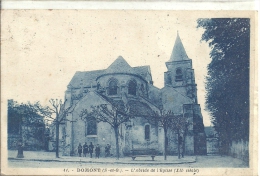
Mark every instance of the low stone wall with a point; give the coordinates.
(240, 150)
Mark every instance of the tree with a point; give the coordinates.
(163, 118)
(27, 123)
(114, 115)
(227, 83)
(13, 117)
(56, 113)
(169, 121)
(179, 124)
(24, 120)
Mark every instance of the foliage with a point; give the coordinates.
(23, 120)
(227, 83)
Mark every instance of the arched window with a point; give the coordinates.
(132, 87)
(147, 132)
(112, 87)
(178, 76)
(92, 126)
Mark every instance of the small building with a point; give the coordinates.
(212, 140)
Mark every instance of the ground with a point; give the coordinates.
(47, 160)
(202, 162)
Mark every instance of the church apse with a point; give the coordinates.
(132, 88)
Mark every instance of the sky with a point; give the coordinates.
(42, 49)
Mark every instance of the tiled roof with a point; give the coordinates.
(140, 108)
(143, 71)
(120, 66)
(88, 78)
(137, 108)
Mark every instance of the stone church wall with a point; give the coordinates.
(173, 100)
(137, 136)
(123, 80)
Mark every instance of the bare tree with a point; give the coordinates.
(57, 114)
(163, 118)
(169, 121)
(114, 116)
(180, 124)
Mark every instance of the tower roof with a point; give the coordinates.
(178, 52)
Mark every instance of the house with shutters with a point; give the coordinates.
(121, 82)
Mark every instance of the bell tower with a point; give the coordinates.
(179, 82)
(180, 74)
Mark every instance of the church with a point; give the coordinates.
(120, 81)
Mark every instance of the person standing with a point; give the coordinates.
(85, 149)
(97, 150)
(107, 150)
(79, 150)
(90, 148)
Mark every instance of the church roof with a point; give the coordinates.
(137, 108)
(142, 71)
(87, 78)
(120, 65)
(178, 52)
(140, 108)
